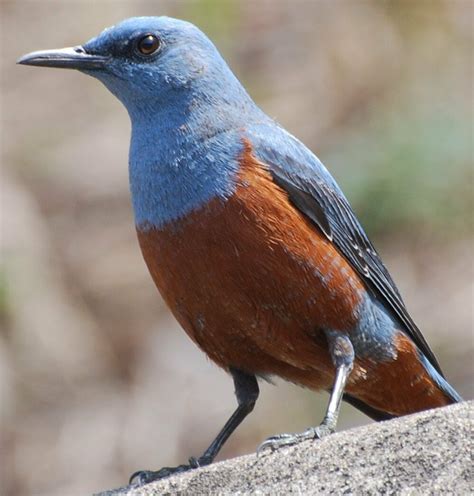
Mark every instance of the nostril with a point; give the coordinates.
(79, 49)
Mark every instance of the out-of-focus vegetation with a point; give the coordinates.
(96, 378)
(412, 169)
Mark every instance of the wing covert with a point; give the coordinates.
(314, 192)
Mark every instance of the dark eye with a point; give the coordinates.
(149, 44)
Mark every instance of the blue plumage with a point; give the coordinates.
(187, 111)
(195, 134)
(188, 152)
(189, 117)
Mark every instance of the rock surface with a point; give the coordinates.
(426, 453)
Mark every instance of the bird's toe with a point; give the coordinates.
(145, 476)
(285, 440)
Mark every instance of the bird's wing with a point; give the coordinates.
(314, 192)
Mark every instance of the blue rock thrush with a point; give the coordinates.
(249, 239)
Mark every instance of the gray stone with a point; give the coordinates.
(426, 453)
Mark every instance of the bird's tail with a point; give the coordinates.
(440, 381)
(371, 412)
(407, 385)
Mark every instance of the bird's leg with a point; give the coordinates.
(246, 391)
(342, 354)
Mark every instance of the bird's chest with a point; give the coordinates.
(219, 277)
(243, 274)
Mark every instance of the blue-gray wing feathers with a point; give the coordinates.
(314, 192)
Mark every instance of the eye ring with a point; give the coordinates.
(148, 45)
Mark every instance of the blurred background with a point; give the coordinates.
(96, 378)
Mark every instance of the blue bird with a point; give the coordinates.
(249, 239)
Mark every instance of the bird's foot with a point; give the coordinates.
(285, 440)
(145, 476)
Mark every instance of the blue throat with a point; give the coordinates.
(188, 152)
(189, 114)
(187, 110)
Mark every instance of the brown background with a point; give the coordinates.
(96, 378)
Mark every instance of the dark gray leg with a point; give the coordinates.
(342, 354)
(246, 391)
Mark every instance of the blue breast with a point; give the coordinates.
(186, 150)
(181, 176)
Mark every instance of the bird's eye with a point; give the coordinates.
(148, 45)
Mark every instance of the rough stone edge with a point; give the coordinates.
(431, 420)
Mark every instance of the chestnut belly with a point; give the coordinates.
(255, 284)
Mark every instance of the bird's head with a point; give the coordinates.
(144, 61)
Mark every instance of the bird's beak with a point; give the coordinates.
(65, 58)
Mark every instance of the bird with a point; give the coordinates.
(249, 239)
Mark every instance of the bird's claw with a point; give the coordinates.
(285, 440)
(282, 441)
(145, 476)
(275, 442)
